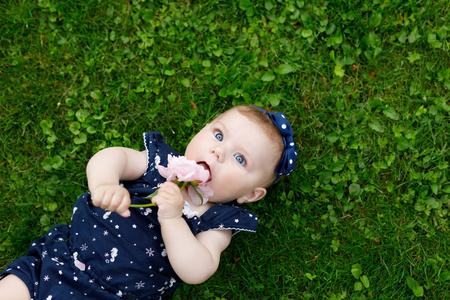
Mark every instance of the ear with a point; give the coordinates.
(255, 195)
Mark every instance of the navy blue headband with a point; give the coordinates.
(287, 161)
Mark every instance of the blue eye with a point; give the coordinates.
(218, 135)
(240, 159)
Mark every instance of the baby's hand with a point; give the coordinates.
(169, 200)
(112, 197)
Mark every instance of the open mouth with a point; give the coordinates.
(206, 167)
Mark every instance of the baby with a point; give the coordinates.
(114, 251)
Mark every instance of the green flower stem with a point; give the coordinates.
(183, 185)
(198, 193)
(143, 205)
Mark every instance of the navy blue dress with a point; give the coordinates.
(102, 255)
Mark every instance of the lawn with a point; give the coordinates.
(364, 83)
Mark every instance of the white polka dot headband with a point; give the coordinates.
(287, 162)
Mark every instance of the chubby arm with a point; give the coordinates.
(194, 258)
(104, 171)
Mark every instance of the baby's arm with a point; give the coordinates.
(194, 258)
(104, 171)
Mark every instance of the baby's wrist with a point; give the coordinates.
(163, 220)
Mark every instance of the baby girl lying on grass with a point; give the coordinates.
(118, 246)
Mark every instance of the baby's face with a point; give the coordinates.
(238, 153)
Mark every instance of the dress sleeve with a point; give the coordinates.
(228, 217)
(157, 152)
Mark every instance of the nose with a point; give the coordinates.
(218, 152)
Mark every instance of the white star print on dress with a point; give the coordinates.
(84, 247)
(150, 252)
(140, 285)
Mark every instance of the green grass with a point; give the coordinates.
(365, 84)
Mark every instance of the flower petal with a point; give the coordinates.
(194, 197)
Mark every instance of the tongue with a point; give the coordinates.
(204, 165)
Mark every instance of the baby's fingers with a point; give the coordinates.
(98, 197)
(167, 191)
(113, 198)
(119, 203)
(170, 188)
(122, 209)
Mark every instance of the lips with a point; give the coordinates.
(206, 167)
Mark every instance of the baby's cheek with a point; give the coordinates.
(233, 185)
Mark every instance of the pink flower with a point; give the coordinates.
(179, 167)
(205, 191)
(184, 170)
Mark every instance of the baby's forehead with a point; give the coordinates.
(233, 116)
